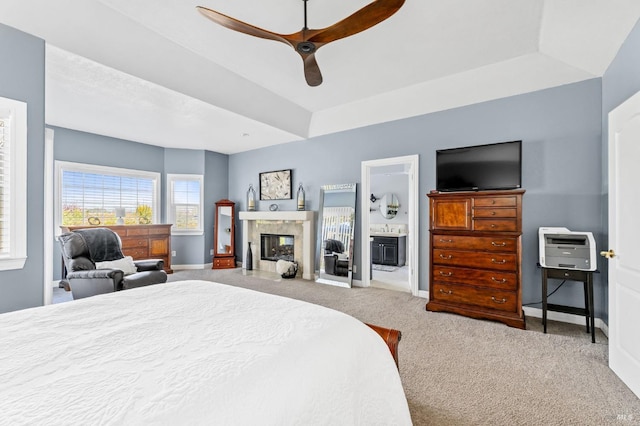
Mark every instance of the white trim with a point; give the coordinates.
(171, 177)
(413, 237)
(17, 257)
(563, 317)
(116, 171)
(48, 217)
(191, 266)
(424, 294)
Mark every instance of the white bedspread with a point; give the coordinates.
(194, 352)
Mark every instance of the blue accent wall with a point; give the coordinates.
(563, 129)
(561, 133)
(22, 79)
(216, 187)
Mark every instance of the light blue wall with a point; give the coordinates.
(82, 147)
(88, 148)
(188, 248)
(620, 81)
(564, 153)
(22, 79)
(216, 185)
(561, 133)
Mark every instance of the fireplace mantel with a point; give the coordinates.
(304, 219)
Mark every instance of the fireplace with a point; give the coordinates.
(275, 247)
(299, 224)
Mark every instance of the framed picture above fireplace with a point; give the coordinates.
(276, 185)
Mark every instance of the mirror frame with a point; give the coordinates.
(384, 205)
(217, 229)
(321, 275)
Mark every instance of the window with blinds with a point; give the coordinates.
(184, 206)
(13, 184)
(95, 195)
(5, 188)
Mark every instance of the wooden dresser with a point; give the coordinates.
(142, 241)
(475, 255)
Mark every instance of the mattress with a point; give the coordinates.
(195, 352)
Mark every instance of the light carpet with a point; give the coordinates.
(461, 371)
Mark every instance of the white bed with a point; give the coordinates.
(194, 352)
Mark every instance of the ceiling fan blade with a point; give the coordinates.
(367, 17)
(242, 27)
(311, 70)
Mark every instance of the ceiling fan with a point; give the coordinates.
(307, 41)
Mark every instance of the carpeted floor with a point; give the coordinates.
(460, 371)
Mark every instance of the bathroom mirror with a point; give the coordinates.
(389, 205)
(336, 222)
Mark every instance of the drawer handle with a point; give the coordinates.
(493, 201)
(493, 225)
(446, 274)
(445, 241)
(502, 244)
(449, 257)
(493, 213)
(446, 292)
(499, 262)
(503, 300)
(504, 280)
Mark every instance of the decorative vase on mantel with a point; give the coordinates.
(251, 199)
(248, 259)
(300, 197)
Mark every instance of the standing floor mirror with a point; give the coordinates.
(336, 222)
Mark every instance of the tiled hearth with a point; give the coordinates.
(300, 224)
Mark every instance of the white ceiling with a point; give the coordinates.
(158, 72)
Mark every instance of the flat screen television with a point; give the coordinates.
(479, 167)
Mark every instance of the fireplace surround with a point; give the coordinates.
(299, 224)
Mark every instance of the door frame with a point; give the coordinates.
(412, 163)
(622, 361)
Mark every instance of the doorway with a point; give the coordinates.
(389, 223)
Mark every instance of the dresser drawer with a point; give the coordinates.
(484, 297)
(498, 261)
(137, 231)
(503, 225)
(507, 201)
(224, 262)
(490, 213)
(498, 243)
(134, 242)
(137, 253)
(476, 277)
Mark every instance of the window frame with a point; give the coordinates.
(17, 256)
(171, 178)
(61, 166)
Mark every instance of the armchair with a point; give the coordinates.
(95, 264)
(335, 261)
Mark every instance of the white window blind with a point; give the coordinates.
(185, 203)
(13, 184)
(5, 187)
(91, 195)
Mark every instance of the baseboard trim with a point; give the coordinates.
(568, 318)
(185, 267)
(423, 294)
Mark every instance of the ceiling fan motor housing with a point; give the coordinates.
(306, 47)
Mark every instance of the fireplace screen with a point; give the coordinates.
(275, 247)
